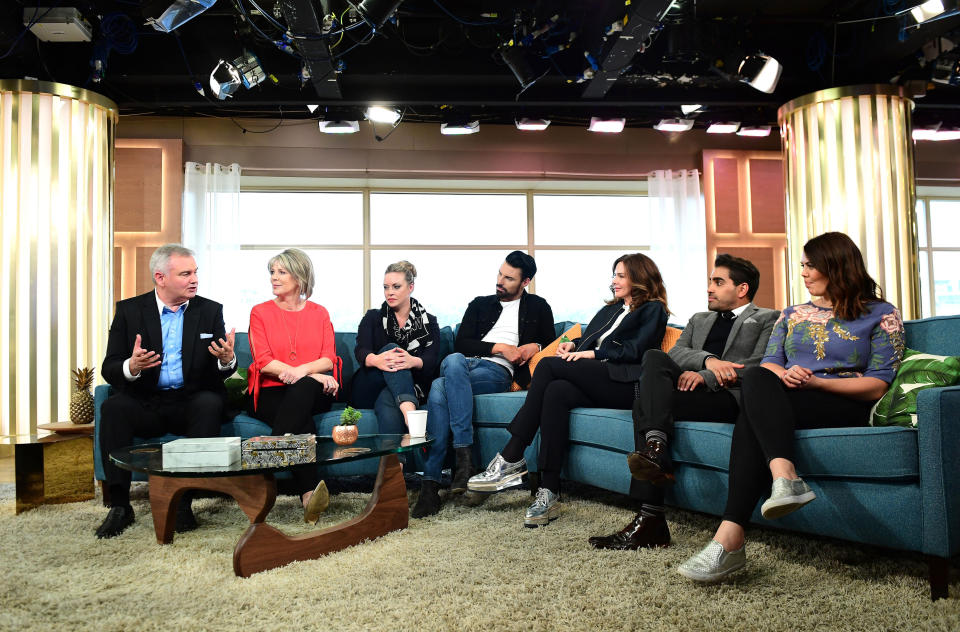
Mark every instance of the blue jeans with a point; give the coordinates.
(450, 404)
(389, 389)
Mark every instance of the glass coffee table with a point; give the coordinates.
(262, 546)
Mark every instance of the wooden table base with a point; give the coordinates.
(263, 547)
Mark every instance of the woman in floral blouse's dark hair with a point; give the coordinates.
(851, 287)
(827, 362)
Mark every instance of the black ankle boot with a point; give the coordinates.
(428, 503)
(462, 471)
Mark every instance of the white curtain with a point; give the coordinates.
(211, 228)
(679, 240)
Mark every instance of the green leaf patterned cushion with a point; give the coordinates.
(917, 371)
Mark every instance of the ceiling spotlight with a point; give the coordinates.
(460, 129)
(377, 12)
(607, 126)
(382, 114)
(755, 130)
(691, 108)
(761, 72)
(723, 128)
(518, 62)
(312, 108)
(228, 76)
(532, 124)
(179, 13)
(674, 125)
(339, 127)
(925, 133)
(926, 11)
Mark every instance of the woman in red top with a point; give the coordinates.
(293, 349)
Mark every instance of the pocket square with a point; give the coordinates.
(749, 320)
(205, 336)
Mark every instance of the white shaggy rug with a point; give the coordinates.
(464, 569)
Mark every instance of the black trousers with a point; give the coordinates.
(659, 402)
(125, 416)
(291, 408)
(558, 387)
(769, 414)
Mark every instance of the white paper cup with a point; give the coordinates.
(417, 423)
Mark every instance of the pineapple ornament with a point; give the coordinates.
(81, 402)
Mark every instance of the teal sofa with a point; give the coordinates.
(893, 487)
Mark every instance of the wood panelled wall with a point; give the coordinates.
(147, 209)
(744, 197)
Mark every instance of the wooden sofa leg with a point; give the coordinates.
(104, 493)
(939, 576)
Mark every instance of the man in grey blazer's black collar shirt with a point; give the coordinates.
(698, 380)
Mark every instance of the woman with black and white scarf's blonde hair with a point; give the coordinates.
(397, 351)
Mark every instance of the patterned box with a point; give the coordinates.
(278, 451)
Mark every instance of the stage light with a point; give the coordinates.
(761, 72)
(229, 76)
(690, 109)
(518, 62)
(532, 124)
(339, 127)
(607, 126)
(758, 131)
(674, 125)
(312, 108)
(926, 11)
(460, 129)
(377, 12)
(382, 114)
(179, 13)
(723, 128)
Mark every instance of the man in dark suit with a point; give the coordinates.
(167, 357)
(698, 380)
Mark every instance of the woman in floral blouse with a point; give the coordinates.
(826, 364)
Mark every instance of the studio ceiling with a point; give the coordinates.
(443, 57)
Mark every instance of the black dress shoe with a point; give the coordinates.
(118, 519)
(653, 464)
(643, 532)
(185, 518)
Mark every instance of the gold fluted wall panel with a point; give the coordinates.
(56, 245)
(848, 166)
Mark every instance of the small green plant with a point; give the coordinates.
(350, 416)
(564, 339)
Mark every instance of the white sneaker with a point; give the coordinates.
(713, 563)
(786, 496)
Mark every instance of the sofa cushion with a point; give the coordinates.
(825, 452)
(918, 371)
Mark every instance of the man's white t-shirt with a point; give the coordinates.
(506, 331)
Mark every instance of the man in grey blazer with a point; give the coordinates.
(698, 380)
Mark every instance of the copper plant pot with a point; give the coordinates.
(345, 435)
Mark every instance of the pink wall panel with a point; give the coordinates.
(767, 196)
(726, 193)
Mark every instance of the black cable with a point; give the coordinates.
(262, 131)
(380, 139)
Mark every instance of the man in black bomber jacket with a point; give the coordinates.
(497, 337)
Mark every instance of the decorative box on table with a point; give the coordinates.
(279, 451)
(202, 452)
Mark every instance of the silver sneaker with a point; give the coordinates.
(713, 563)
(786, 496)
(544, 509)
(499, 475)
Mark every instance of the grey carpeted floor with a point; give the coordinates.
(465, 569)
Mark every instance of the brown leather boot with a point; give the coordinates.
(653, 464)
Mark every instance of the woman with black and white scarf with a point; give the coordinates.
(397, 348)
